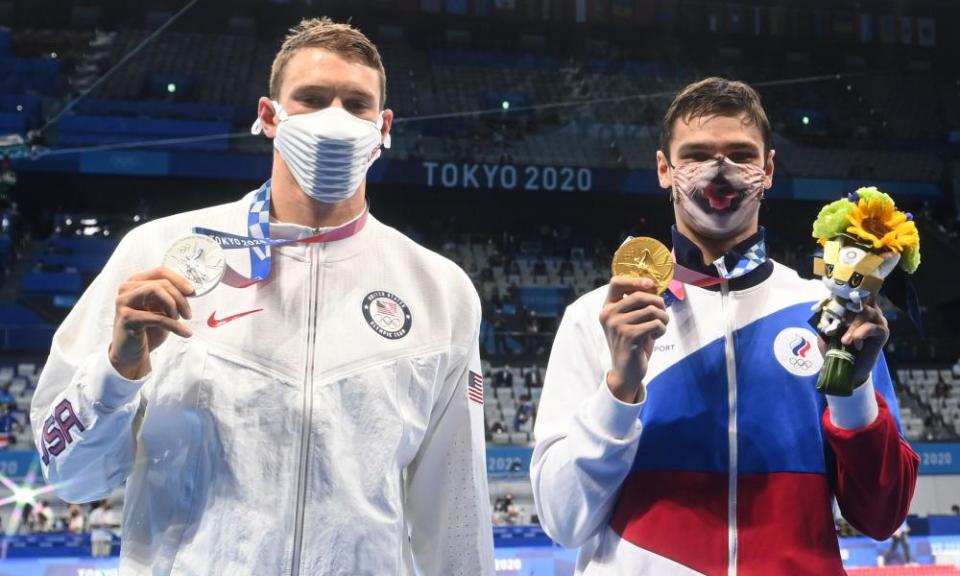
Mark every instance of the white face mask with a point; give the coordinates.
(718, 197)
(328, 151)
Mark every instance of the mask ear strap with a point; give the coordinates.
(257, 127)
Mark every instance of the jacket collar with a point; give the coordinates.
(688, 255)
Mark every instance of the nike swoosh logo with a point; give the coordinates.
(214, 322)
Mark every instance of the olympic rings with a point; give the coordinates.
(386, 321)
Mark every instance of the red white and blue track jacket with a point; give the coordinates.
(730, 464)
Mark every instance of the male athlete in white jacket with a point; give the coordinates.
(319, 418)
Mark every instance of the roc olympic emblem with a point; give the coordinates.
(387, 314)
(797, 351)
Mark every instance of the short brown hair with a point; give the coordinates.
(342, 39)
(715, 97)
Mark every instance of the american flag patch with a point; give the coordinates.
(475, 388)
(388, 308)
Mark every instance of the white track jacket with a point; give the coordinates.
(328, 432)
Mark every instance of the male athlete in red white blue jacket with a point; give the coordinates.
(684, 435)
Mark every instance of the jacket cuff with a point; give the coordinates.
(855, 411)
(108, 389)
(611, 415)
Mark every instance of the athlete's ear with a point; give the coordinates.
(663, 171)
(385, 129)
(266, 118)
(768, 170)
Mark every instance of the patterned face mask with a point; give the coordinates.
(718, 197)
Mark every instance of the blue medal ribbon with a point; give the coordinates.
(259, 241)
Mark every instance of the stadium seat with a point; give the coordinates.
(509, 413)
(519, 438)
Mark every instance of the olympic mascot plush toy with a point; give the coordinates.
(863, 237)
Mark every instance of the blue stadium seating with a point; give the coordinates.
(51, 283)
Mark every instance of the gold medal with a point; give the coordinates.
(644, 258)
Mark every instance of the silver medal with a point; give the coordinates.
(199, 259)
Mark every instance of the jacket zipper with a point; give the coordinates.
(731, 431)
(312, 305)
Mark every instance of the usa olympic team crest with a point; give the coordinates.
(387, 314)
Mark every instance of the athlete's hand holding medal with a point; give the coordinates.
(634, 314)
(149, 306)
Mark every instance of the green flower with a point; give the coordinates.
(871, 194)
(832, 220)
(910, 259)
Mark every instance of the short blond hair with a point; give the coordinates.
(342, 39)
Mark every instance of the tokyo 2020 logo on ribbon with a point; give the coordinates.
(797, 351)
(387, 314)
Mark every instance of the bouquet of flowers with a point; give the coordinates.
(863, 237)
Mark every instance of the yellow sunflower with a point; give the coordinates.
(876, 220)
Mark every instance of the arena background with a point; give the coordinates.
(523, 150)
